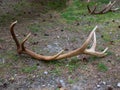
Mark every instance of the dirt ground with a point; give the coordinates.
(50, 34)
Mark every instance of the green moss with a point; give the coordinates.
(56, 71)
(5, 18)
(57, 4)
(34, 27)
(29, 69)
(71, 81)
(11, 55)
(102, 67)
(73, 64)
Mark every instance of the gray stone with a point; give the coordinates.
(118, 84)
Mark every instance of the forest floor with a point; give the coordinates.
(52, 31)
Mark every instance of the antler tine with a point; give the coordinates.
(23, 42)
(13, 34)
(105, 50)
(84, 46)
(89, 10)
(113, 3)
(58, 54)
(109, 7)
(94, 42)
(92, 51)
(93, 11)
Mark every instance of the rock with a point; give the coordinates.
(58, 37)
(12, 79)
(98, 86)
(45, 72)
(104, 83)
(62, 82)
(116, 55)
(76, 88)
(118, 84)
(43, 85)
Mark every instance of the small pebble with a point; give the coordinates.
(116, 55)
(67, 65)
(12, 79)
(58, 36)
(118, 84)
(48, 84)
(61, 81)
(98, 86)
(104, 83)
(43, 85)
(33, 76)
(45, 72)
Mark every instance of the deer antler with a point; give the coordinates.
(106, 9)
(82, 50)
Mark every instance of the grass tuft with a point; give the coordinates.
(102, 67)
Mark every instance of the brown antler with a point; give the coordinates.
(82, 50)
(107, 8)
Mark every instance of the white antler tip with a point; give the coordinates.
(15, 21)
(95, 28)
(105, 50)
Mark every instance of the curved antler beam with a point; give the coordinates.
(82, 50)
